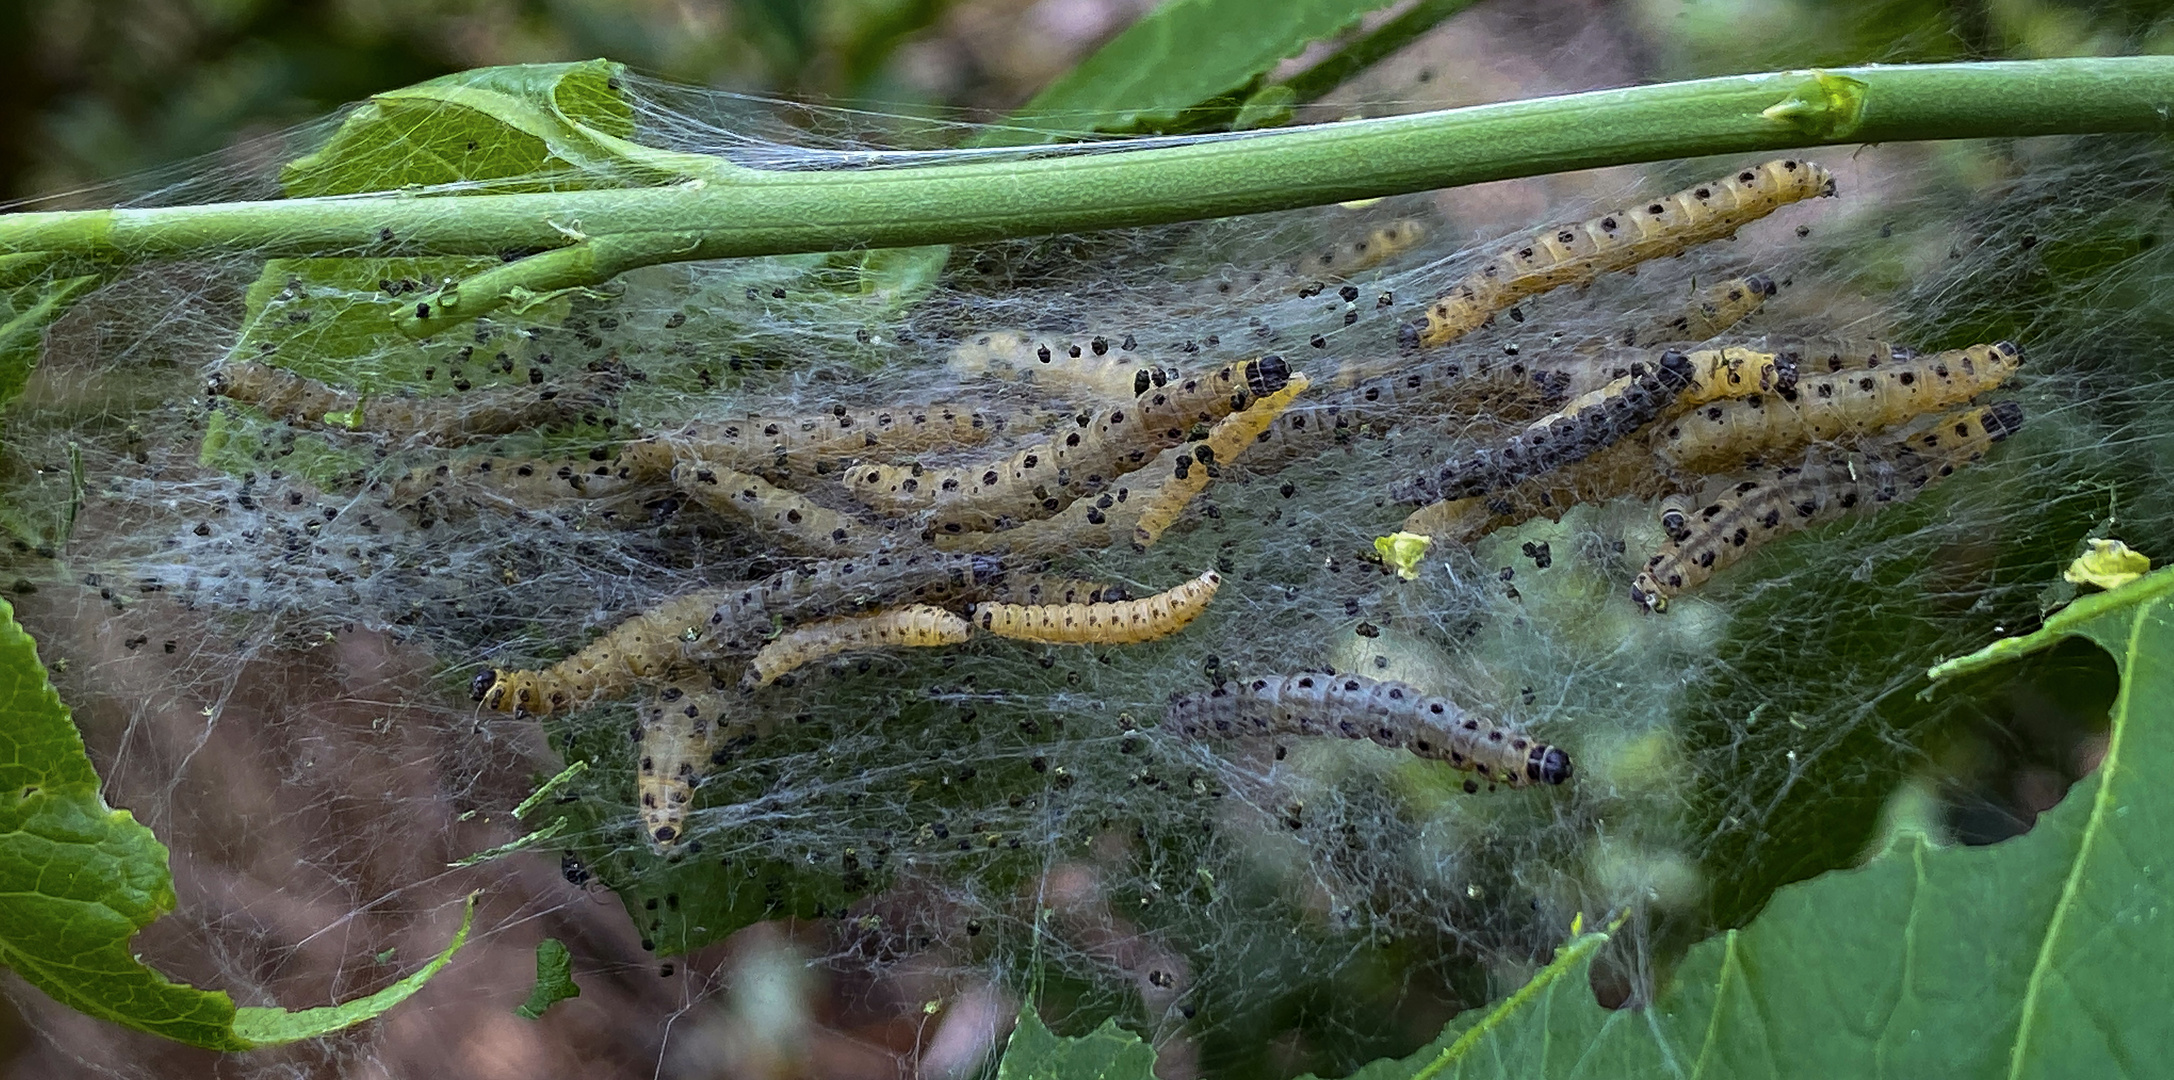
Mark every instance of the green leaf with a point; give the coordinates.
(538, 124)
(1107, 1053)
(1176, 59)
(25, 312)
(554, 980)
(2039, 956)
(81, 878)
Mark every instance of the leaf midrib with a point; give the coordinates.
(2101, 802)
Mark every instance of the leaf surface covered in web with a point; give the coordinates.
(81, 878)
(528, 127)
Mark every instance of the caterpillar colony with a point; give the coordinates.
(1092, 441)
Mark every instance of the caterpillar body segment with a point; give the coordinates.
(1625, 470)
(1090, 367)
(1142, 504)
(1122, 623)
(1195, 464)
(1084, 456)
(787, 515)
(1345, 258)
(822, 443)
(1028, 588)
(1772, 503)
(1572, 254)
(679, 725)
(913, 626)
(594, 484)
(1560, 439)
(648, 646)
(1838, 395)
(743, 617)
(1391, 714)
(450, 420)
(1708, 314)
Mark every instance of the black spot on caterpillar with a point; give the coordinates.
(1390, 713)
(1120, 623)
(787, 516)
(1558, 440)
(679, 724)
(1839, 393)
(1083, 457)
(914, 626)
(713, 623)
(1761, 506)
(1569, 254)
(438, 421)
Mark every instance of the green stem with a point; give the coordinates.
(780, 212)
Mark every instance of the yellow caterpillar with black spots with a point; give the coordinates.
(1575, 253)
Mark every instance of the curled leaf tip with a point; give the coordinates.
(1402, 551)
(2108, 564)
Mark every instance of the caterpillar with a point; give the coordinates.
(451, 420)
(1379, 245)
(1028, 588)
(712, 623)
(819, 443)
(1711, 312)
(1092, 367)
(914, 626)
(647, 646)
(1776, 502)
(1713, 375)
(845, 586)
(1082, 458)
(1141, 510)
(1572, 254)
(787, 515)
(1333, 263)
(1838, 393)
(678, 726)
(1626, 469)
(1392, 714)
(1196, 464)
(596, 482)
(1120, 623)
(1558, 440)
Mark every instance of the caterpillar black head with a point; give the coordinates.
(1548, 765)
(1268, 375)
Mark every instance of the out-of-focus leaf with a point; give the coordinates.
(1108, 1052)
(554, 979)
(1176, 59)
(81, 878)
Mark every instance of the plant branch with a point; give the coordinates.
(1051, 191)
